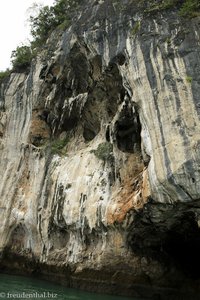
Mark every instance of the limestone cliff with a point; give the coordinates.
(100, 154)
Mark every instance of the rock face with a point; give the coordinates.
(100, 155)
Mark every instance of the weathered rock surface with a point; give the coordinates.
(100, 155)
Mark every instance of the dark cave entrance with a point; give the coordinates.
(182, 245)
(173, 242)
(128, 131)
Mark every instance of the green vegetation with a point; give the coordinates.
(189, 79)
(190, 8)
(187, 8)
(4, 74)
(135, 28)
(165, 4)
(21, 57)
(168, 41)
(41, 25)
(48, 18)
(58, 15)
(170, 3)
(57, 146)
(104, 151)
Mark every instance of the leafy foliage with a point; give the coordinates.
(60, 15)
(42, 24)
(21, 57)
(57, 146)
(189, 79)
(4, 74)
(104, 151)
(135, 28)
(190, 8)
(187, 8)
(51, 17)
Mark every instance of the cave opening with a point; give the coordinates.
(174, 241)
(183, 245)
(128, 131)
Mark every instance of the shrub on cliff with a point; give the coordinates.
(4, 74)
(49, 18)
(58, 145)
(104, 151)
(42, 24)
(187, 8)
(21, 58)
(190, 8)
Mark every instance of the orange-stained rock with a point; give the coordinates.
(132, 195)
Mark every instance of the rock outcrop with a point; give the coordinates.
(100, 155)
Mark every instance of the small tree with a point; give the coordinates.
(21, 57)
(104, 152)
(42, 24)
(43, 21)
(4, 74)
(190, 8)
(49, 18)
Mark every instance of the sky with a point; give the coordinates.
(14, 29)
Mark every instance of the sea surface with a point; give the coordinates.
(18, 287)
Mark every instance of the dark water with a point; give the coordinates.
(17, 287)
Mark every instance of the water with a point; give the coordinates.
(17, 287)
